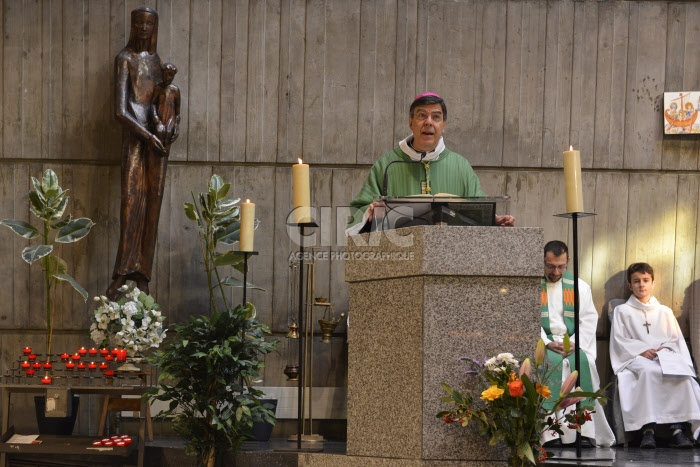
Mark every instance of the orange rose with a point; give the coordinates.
(516, 388)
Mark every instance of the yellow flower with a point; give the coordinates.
(543, 390)
(492, 393)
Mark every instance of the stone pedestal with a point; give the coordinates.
(420, 298)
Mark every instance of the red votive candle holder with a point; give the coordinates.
(104, 351)
(82, 351)
(121, 356)
(115, 351)
(109, 372)
(103, 366)
(25, 365)
(92, 366)
(92, 351)
(36, 365)
(81, 366)
(70, 365)
(127, 441)
(65, 356)
(47, 365)
(97, 443)
(27, 350)
(46, 380)
(76, 356)
(109, 358)
(31, 357)
(30, 372)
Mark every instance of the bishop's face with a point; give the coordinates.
(554, 266)
(427, 124)
(641, 284)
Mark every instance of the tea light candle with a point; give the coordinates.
(27, 350)
(81, 366)
(47, 365)
(30, 372)
(25, 365)
(109, 358)
(46, 380)
(572, 180)
(31, 357)
(92, 352)
(70, 365)
(92, 366)
(65, 356)
(109, 373)
(104, 351)
(97, 443)
(115, 351)
(82, 351)
(103, 366)
(301, 192)
(36, 365)
(247, 226)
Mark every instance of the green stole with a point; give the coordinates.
(554, 383)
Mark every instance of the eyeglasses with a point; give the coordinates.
(551, 267)
(422, 116)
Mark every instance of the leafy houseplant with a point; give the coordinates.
(48, 202)
(512, 406)
(208, 369)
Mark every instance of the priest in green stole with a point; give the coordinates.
(424, 166)
(557, 318)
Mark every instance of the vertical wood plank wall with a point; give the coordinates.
(265, 82)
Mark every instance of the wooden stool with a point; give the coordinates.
(119, 404)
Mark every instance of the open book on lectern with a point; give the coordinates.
(441, 209)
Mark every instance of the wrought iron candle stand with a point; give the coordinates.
(575, 216)
(245, 255)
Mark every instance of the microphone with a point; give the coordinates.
(386, 171)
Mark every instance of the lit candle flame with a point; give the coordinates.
(571, 148)
(247, 201)
(299, 159)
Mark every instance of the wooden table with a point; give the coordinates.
(56, 445)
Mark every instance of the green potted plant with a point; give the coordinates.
(207, 370)
(48, 202)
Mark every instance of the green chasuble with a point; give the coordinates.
(555, 359)
(450, 173)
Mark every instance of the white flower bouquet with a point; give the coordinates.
(134, 323)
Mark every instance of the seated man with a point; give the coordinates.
(557, 318)
(643, 331)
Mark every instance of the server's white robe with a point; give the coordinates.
(646, 395)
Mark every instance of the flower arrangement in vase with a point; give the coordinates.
(510, 407)
(134, 322)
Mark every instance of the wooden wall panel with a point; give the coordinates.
(611, 84)
(291, 94)
(557, 80)
(376, 92)
(12, 46)
(645, 74)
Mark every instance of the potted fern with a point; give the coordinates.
(48, 202)
(207, 370)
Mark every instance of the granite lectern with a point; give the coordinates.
(420, 298)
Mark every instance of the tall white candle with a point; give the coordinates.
(301, 192)
(572, 180)
(246, 240)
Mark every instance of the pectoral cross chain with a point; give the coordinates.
(646, 323)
